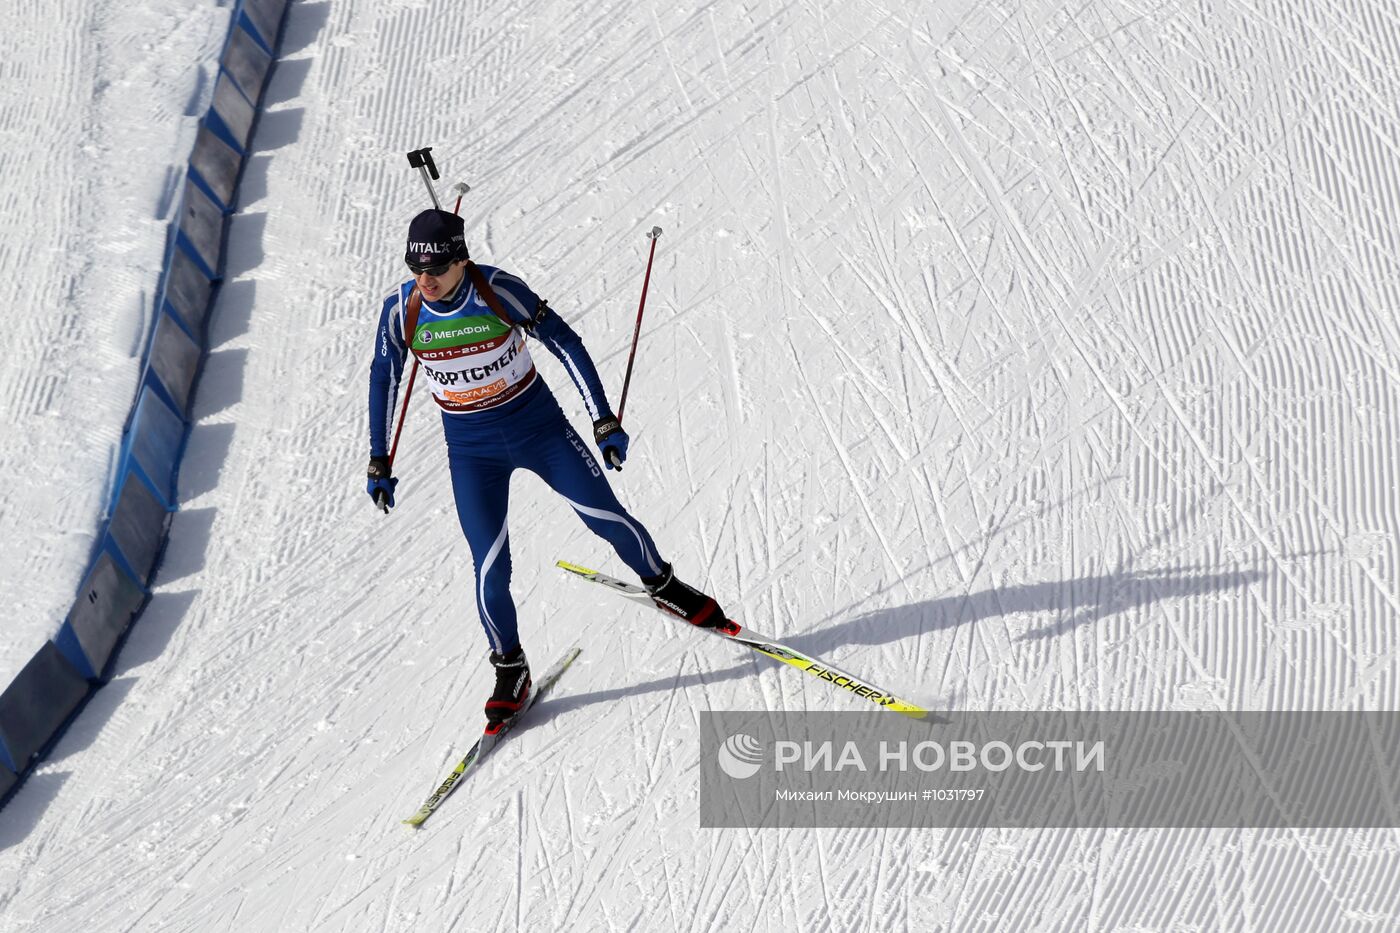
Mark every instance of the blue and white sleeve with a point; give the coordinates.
(385, 373)
(546, 326)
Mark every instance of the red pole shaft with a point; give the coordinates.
(403, 412)
(637, 331)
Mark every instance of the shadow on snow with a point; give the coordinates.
(1075, 603)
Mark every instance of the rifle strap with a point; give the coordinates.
(488, 294)
(410, 319)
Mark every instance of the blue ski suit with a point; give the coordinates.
(498, 415)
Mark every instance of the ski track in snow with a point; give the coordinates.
(82, 234)
(1015, 356)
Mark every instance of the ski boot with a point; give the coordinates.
(683, 600)
(512, 688)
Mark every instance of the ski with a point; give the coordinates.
(734, 632)
(490, 740)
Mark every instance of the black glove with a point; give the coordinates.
(380, 485)
(612, 441)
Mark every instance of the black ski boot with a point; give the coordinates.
(682, 599)
(512, 687)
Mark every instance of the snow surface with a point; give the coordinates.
(98, 112)
(1014, 355)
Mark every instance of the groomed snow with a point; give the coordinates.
(98, 111)
(1019, 356)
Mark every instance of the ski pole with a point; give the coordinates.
(398, 429)
(421, 159)
(637, 331)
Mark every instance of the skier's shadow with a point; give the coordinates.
(1074, 603)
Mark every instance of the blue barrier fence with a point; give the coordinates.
(50, 690)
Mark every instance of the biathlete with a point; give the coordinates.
(467, 324)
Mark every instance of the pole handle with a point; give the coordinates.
(461, 188)
(422, 159)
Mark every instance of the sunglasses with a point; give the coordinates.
(434, 270)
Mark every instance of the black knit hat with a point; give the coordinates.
(435, 237)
